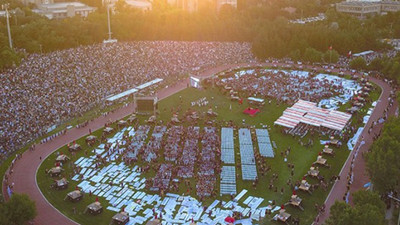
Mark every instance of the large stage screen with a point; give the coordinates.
(146, 104)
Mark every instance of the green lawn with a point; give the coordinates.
(301, 156)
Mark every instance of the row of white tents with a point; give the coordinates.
(309, 113)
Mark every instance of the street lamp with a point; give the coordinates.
(108, 19)
(110, 40)
(5, 7)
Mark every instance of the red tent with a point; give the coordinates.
(251, 111)
(229, 219)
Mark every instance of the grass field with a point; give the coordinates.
(302, 157)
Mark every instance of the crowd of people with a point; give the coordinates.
(48, 89)
(368, 57)
(184, 159)
(137, 144)
(209, 165)
(280, 85)
(200, 102)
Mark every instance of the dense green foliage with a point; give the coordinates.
(368, 209)
(279, 38)
(18, 210)
(266, 25)
(382, 161)
(391, 68)
(358, 63)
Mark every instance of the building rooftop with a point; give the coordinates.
(391, 2)
(138, 3)
(63, 4)
(366, 2)
(357, 3)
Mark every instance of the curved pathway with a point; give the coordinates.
(360, 175)
(24, 170)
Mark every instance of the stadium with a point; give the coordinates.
(221, 139)
(199, 112)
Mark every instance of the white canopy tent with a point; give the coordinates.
(308, 113)
(121, 95)
(258, 100)
(194, 82)
(133, 90)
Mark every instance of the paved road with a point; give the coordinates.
(24, 175)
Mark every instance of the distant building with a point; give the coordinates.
(194, 5)
(364, 9)
(187, 5)
(361, 10)
(390, 6)
(140, 4)
(63, 10)
(37, 2)
(145, 5)
(221, 3)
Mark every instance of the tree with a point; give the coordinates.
(19, 209)
(382, 160)
(376, 64)
(340, 214)
(395, 71)
(4, 219)
(358, 63)
(312, 55)
(368, 210)
(295, 55)
(331, 56)
(361, 198)
(368, 215)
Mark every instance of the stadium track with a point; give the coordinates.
(24, 175)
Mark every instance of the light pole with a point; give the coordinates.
(108, 18)
(109, 40)
(5, 7)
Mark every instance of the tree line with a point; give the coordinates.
(389, 67)
(265, 25)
